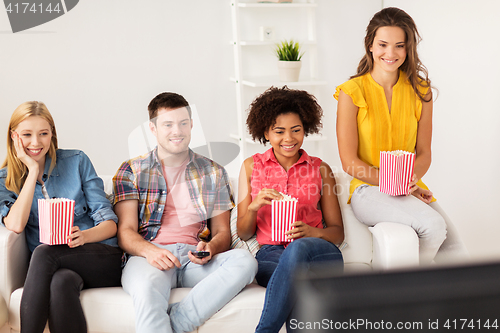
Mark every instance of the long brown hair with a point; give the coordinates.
(17, 170)
(415, 71)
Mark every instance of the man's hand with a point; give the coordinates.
(161, 258)
(202, 246)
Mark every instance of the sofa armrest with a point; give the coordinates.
(4, 312)
(14, 260)
(394, 246)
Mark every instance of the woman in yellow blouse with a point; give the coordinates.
(387, 106)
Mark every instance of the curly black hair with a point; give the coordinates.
(276, 101)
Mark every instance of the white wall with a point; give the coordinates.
(98, 66)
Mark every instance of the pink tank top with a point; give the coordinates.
(180, 223)
(302, 181)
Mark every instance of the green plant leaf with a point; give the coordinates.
(288, 51)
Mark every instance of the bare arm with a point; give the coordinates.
(347, 137)
(19, 213)
(247, 220)
(424, 139)
(221, 238)
(334, 229)
(100, 232)
(248, 209)
(133, 243)
(221, 234)
(423, 150)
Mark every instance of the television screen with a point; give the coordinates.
(440, 299)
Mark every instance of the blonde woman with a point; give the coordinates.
(56, 274)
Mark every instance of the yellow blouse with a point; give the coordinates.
(379, 129)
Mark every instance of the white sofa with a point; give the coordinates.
(4, 312)
(110, 310)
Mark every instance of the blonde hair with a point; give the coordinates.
(17, 170)
(413, 68)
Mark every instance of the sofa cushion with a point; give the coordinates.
(236, 242)
(358, 238)
(108, 187)
(241, 314)
(111, 310)
(4, 312)
(106, 309)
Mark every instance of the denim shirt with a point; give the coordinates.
(74, 178)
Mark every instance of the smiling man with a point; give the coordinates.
(172, 203)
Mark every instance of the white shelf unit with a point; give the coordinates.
(247, 18)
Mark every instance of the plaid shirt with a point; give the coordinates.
(142, 179)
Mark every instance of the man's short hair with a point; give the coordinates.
(167, 100)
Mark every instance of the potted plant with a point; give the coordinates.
(289, 63)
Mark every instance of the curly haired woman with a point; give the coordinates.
(283, 117)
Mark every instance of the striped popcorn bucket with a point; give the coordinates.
(396, 170)
(283, 214)
(56, 218)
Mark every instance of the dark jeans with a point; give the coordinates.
(56, 275)
(277, 266)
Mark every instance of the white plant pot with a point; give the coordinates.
(289, 70)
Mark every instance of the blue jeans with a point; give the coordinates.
(214, 284)
(277, 266)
